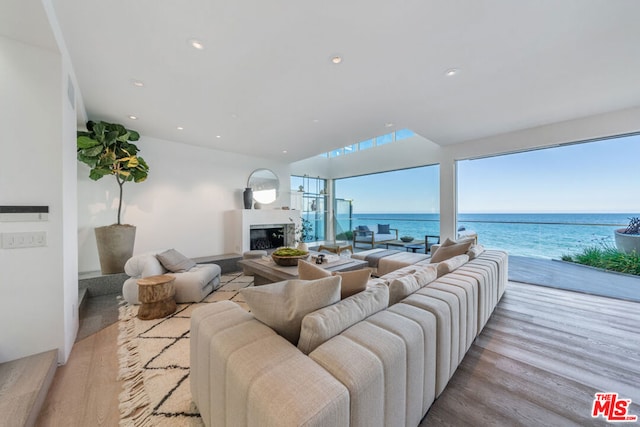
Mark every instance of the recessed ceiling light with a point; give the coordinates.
(196, 44)
(315, 120)
(137, 83)
(180, 128)
(234, 116)
(451, 72)
(284, 151)
(336, 59)
(132, 117)
(218, 136)
(388, 125)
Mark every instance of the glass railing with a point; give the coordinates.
(533, 235)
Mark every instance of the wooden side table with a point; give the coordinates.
(156, 296)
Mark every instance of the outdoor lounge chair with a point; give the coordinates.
(381, 234)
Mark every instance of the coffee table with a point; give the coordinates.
(264, 273)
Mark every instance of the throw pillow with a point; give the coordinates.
(175, 262)
(323, 324)
(426, 274)
(384, 229)
(363, 228)
(283, 305)
(451, 264)
(353, 281)
(475, 251)
(310, 271)
(446, 252)
(402, 287)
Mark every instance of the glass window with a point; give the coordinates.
(350, 148)
(404, 133)
(366, 144)
(384, 139)
(325, 155)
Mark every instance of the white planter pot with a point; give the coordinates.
(627, 243)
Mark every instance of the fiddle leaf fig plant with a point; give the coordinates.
(107, 149)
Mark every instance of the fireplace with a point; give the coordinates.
(245, 225)
(269, 236)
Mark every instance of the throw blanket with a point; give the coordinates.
(374, 258)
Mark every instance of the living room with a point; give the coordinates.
(191, 187)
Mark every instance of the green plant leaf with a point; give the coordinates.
(134, 136)
(97, 173)
(87, 142)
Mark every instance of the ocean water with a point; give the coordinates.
(533, 235)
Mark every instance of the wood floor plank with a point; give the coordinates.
(85, 390)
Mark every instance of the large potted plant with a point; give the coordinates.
(628, 239)
(107, 149)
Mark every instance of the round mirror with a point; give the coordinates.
(265, 185)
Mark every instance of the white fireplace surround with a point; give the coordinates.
(240, 222)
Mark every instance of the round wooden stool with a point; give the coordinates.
(156, 297)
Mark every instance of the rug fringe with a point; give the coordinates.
(133, 400)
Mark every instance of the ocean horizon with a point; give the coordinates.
(541, 235)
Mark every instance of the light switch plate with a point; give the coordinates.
(31, 239)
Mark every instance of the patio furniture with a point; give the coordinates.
(382, 233)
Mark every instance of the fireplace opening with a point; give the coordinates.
(263, 237)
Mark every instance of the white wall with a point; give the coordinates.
(31, 280)
(181, 205)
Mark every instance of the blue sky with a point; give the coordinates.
(602, 176)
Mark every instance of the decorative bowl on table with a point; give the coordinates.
(406, 239)
(288, 257)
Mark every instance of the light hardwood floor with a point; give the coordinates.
(85, 391)
(538, 362)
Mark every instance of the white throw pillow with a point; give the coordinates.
(323, 324)
(282, 305)
(402, 287)
(451, 264)
(475, 251)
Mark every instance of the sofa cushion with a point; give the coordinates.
(353, 281)
(448, 251)
(451, 264)
(175, 262)
(283, 305)
(321, 325)
(416, 278)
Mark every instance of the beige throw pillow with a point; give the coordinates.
(323, 324)
(402, 287)
(452, 264)
(451, 250)
(353, 281)
(282, 305)
(175, 262)
(310, 271)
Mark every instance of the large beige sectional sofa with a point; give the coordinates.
(378, 358)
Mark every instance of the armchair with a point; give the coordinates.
(382, 233)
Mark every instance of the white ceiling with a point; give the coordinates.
(264, 81)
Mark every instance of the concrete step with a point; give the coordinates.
(24, 384)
